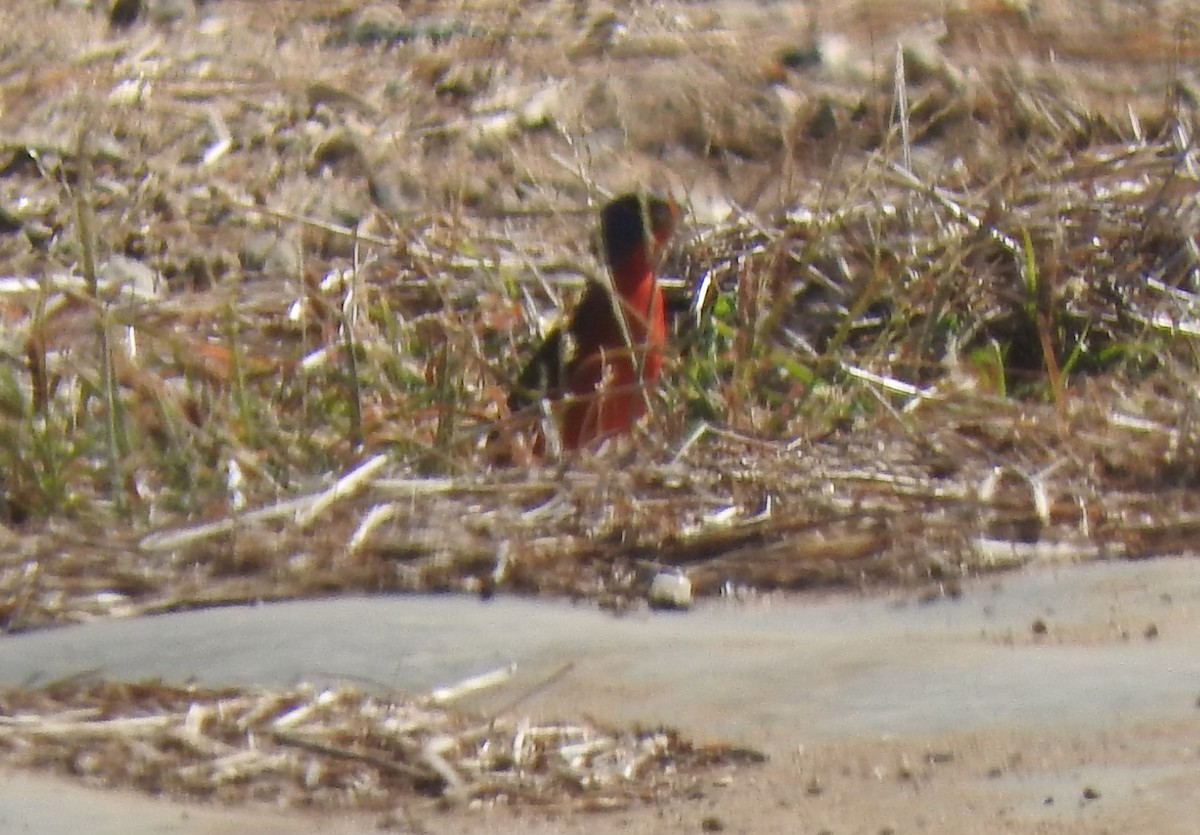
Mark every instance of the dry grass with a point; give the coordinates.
(947, 323)
(338, 748)
(993, 273)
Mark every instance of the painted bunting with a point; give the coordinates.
(595, 368)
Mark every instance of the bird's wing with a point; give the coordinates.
(542, 375)
(592, 326)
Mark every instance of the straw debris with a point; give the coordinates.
(269, 270)
(337, 747)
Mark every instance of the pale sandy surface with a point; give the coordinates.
(877, 713)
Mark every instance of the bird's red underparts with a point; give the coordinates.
(595, 370)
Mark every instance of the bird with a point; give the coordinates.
(594, 370)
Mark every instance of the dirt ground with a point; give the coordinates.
(877, 715)
(869, 788)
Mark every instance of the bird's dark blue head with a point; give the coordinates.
(636, 223)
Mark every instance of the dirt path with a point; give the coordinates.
(1054, 700)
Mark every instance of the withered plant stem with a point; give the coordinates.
(117, 444)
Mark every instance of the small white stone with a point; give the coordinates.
(670, 590)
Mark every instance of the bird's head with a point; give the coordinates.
(635, 227)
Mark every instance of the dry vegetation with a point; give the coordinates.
(268, 267)
(337, 748)
(946, 322)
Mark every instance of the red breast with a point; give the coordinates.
(607, 377)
